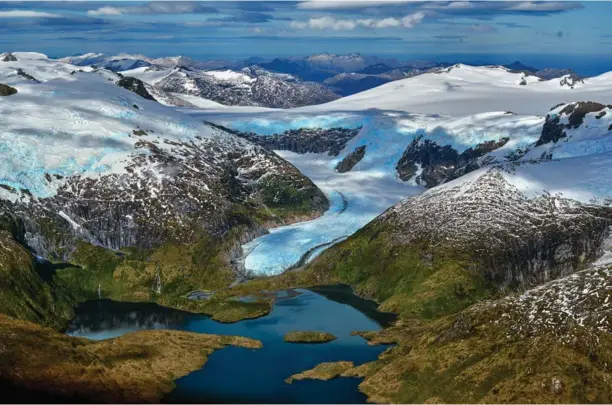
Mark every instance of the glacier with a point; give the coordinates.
(358, 196)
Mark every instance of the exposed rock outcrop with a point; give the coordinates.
(571, 116)
(250, 86)
(25, 75)
(347, 164)
(6, 90)
(433, 164)
(492, 221)
(133, 209)
(303, 140)
(570, 80)
(136, 86)
(9, 57)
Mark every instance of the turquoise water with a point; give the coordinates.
(239, 375)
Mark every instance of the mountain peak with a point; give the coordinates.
(517, 65)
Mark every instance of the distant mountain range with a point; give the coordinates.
(279, 82)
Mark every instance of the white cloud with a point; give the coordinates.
(384, 23)
(105, 11)
(323, 23)
(543, 6)
(347, 4)
(26, 13)
(411, 20)
(298, 25)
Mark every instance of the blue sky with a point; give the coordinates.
(546, 34)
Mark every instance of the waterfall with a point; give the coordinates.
(99, 292)
(157, 284)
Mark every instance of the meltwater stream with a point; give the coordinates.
(239, 375)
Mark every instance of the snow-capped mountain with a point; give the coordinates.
(347, 63)
(120, 62)
(346, 84)
(321, 66)
(252, 86)
(95, 162)
(397, 153)
(463, 89)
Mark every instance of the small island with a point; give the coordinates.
(323, 371)
(309, 337)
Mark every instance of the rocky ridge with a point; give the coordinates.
(254, 87)
(304, 140)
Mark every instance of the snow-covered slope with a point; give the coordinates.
(405, 152)
(462, 90)
(248, 87)
(373, 184)
(124, 61)
(102, 164)
(37, 65)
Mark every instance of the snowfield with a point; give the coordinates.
(465, 90)
(70, 124)
(373, 185)
(460, 108)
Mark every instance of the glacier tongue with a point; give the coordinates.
(373, 185)
(356, 197)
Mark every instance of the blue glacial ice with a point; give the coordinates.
(355, 197)
(372, 185)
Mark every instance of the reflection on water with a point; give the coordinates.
(106, 319)
(242, 375)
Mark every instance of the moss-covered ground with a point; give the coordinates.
(455, 342)
(308, 337)
(135, 368)
(323, 371)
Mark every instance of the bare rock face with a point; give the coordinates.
(251, 86)
(171, 194)
(136, 86)
(9, 57)
(433, 164)
(25, 75)
(554, 129)
(571, 80)
(494, 222)
(7, 90)
(303, 140)
(347, 164)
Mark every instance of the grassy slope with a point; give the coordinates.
(138, 367)
(309, 337)
(181, 269)
(413, 281)
(450, 343)
(24, 294)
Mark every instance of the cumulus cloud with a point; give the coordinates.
(327, 22)
(26, 14)
(546, 6)
(105, 11)
(346, 4)
(323, 23)
(156, 7)
(458, 6)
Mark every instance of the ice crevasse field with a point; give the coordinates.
(358, 196)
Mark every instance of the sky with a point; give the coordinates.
(543, 34)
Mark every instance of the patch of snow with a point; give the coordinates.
(230, 76)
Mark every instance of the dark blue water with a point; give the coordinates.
(238, 375)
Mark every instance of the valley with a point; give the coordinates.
(482, 222)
